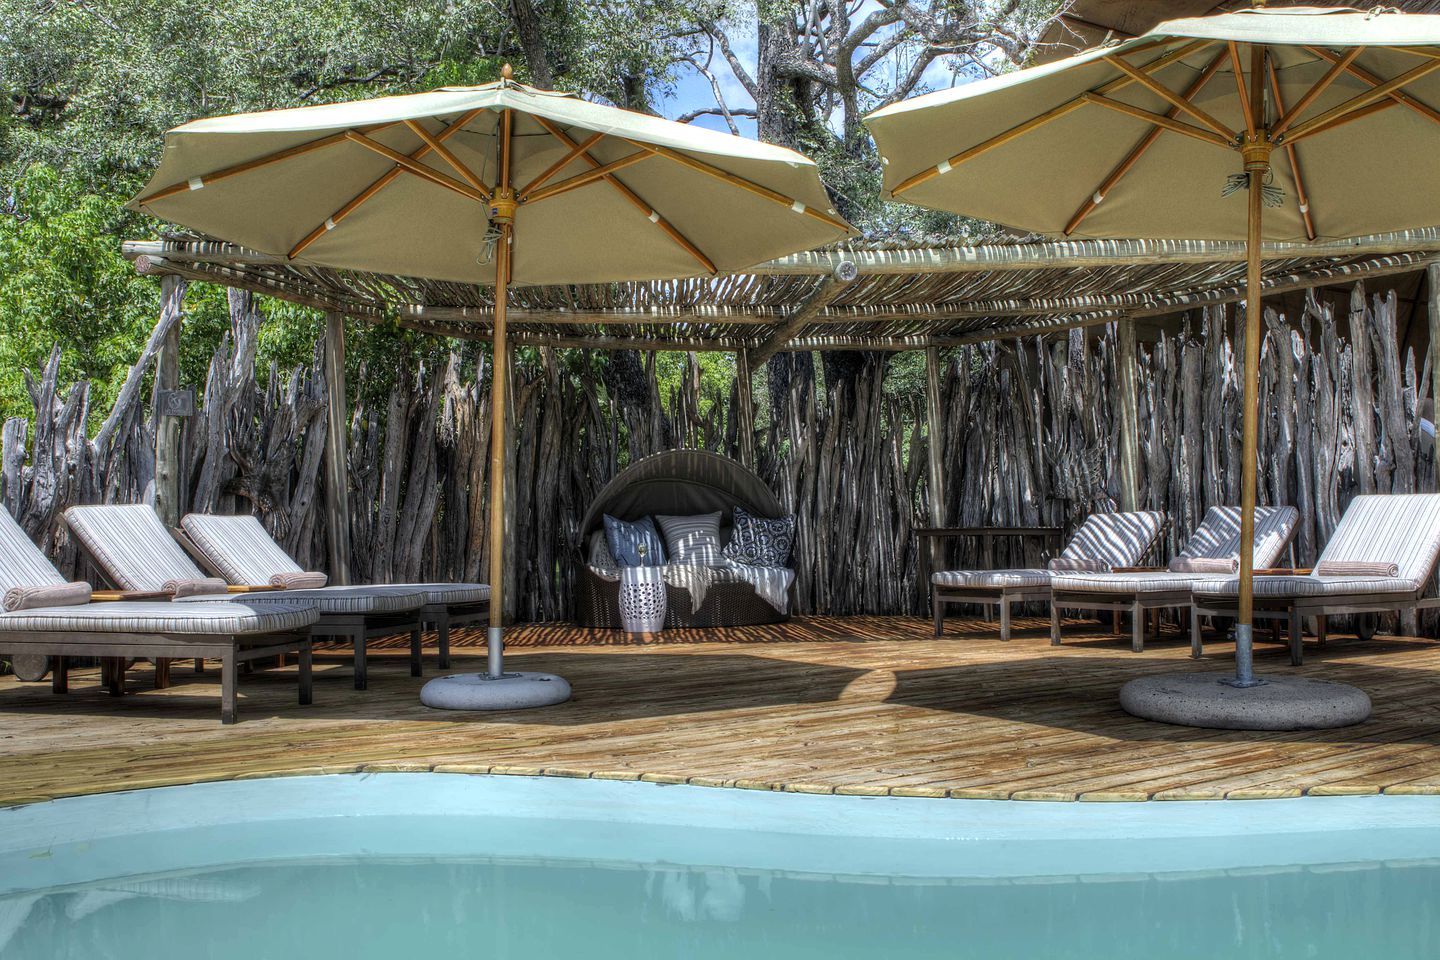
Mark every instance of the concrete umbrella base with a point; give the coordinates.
(511, 691)
(1279, 703)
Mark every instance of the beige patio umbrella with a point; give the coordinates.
(1323, 119)
(502, 184)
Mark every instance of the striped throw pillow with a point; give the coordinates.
(693, 539)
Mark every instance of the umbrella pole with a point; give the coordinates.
(502, 214)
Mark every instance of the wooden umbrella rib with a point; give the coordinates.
(634, 198)
(1174, 99)
(1301, 195)
(195, 183)
(1340, 112)
(417, 168)
(1399, 96)
(749, 186)
(589, 176)
(332, 221)
(1139, 150)
(1351, 117)
(1004, 137)
(465, 172)
(570, 156)
(1238, 68)
(1288, 117)
(1160, 120)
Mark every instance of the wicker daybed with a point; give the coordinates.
(677, 482)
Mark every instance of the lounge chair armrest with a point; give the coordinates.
(1140, 570)
(252, 588)
(115, 596)
(1283, 572)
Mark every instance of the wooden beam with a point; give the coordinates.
(167, 426)
(1302, 196)
(805, 312)
(745, 429)
(1288, 117)
(337, 472)
(1126, 399)
(438, 146)
(589, 176)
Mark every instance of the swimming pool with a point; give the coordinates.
(437, 865)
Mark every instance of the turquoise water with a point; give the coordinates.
(402, 866)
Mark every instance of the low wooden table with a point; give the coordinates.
(1053, 536)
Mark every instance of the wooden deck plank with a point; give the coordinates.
(865, 704)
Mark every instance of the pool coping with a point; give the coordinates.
(773, 786)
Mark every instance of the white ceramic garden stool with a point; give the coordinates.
(642, 599)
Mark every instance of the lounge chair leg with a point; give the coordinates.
(937, 609)
(1322, 628)
(1197, 646)
(1137, 628)
(362, 679)
(59, 675)
(229, 680)
(1005, 619)
(116, 680)
(162, 673)
(442, 634)
(1115, 622)
(1054, 625)
(307, 675)
(199, 664)
(416, 669)
(1297, 640)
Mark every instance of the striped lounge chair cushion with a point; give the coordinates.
(1306, 586)
(1119, 539)
(331, 600)
(991, 579)
(240, 547)
(451, 594)
(131, 545)
(22, 564)
(1218, 536)
(1126, 584)
(207, 619)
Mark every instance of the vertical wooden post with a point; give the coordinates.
(337, 475)
(502, 214)
(167, 425)
(1126, 402)
(934, 441)
(745, 432)
(1432, 311)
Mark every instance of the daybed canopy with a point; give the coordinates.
(678, 483)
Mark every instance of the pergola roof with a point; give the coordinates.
(858, 296)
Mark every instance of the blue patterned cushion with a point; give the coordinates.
(762, 541)
(625, 539)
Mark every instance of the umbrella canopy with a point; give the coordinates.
(1322, 119)
(404, 184)
(1096, 146)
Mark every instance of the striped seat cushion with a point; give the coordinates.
(991, 579)
(131, 545)
(240, 547)
(1403, 529)
(1218, 536)
(332, 600)
(1306, 586)
(22, 564)
(209, 618)
(450, 594)
(1126, 584)
(1119, 539)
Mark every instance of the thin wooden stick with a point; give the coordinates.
(1330, 117)
(1171, 97)
(588, 177)
(1063, 109)
(1160, 120)
(1405, 99)
(1239, 70)
(562, 163)
(196, 183)
(1146, 142)
(332, 221)
(465, 172)
(1301, 195)
(419, 169)
(1289, 116)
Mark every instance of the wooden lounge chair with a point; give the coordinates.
(1103, 542)
(1212, 552)
(232, 633)
(1379, 559)
(131, 546)
(241, 550)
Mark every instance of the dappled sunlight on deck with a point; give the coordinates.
(862, 705)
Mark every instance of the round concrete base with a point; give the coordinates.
(513, 691)
(1281, 703)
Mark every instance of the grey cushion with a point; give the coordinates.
(451, 594)
(991, 579)
(693, 540)
(204, 587)
(1126, 584)
(1403, 529)
(131, 545)
(1218, 536)
(626, 539)
(1204, 565)
(1121, 539)
(308, 580)
(1082, 564)
(332, 600)
(208, 618)
(239, 547)
(22, 564)
(1305, 586)
(1356, 568)
(761, 541)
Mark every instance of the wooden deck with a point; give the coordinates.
(857, 705)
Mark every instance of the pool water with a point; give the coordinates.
(431, 865)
